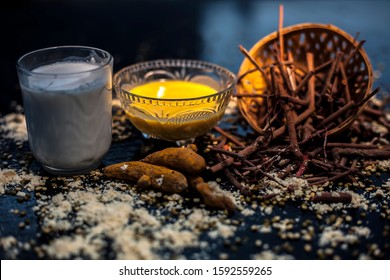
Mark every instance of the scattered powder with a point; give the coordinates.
(323, 208)
(283, 225)
(248, 212)
(99, 217)
(87, 222)
(84, 219)
(10, 178)
(9, 245)
(222, 230)
(197, 217)
(130, 247)
(268, 210)
(7, 175)
(21, 194)
(147, 218)
(172, 237)
(333, 237)
(364, 257)
(361, 231)
(67, 246)
(8, 242)
(33, 181)
(269, 255)
(14, 127)
(387, 184)
(296, 182)
(380, 192)
(275, 183)
(384, 164)
(265, 229)
(358, 200)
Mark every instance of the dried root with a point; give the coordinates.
(181, 159)
(212, 194)
(164, 170)
(215, 197)
(148, 175)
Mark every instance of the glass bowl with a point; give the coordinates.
(174, 119)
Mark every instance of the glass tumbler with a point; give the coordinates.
(67, 97)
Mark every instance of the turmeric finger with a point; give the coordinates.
(148, 175)
(181, 159)
(193, 181)
(215, 197)
(144, 181)
(192, 147)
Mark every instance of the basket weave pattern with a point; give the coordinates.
(324, 41)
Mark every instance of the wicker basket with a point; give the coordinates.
(324, 41)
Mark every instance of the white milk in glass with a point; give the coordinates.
(68, 114)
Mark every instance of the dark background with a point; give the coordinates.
(138, 30)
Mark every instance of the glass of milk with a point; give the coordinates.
(67, 101)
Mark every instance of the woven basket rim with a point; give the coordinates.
(315, 26)
(310, 25)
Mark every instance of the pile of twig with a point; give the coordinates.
(301, 108)
(320, 159)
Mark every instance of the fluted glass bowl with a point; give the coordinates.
(174, 119)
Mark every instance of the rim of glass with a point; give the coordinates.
(100, 66)
(212, 65)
